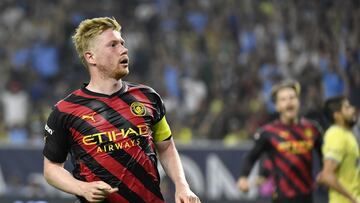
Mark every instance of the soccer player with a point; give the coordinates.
(341, 166)
(112, 129)
(288, 142)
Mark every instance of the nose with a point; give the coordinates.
(124, 51)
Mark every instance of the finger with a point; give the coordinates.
(187, 199)
(97, 198)
(194, 199)
(103, 186)
(178, 200)
(100, 192)
(109, 191)
(113, 190)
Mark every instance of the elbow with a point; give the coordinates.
(48, 170)
(324, 178)
(46, 174)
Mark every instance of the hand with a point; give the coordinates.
(319, 178)
(354, 200)
(96, 191)
(185, 195)
(243, 184)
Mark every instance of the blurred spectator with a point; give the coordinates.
(213, 61)
(15, 106)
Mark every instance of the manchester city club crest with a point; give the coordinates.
(138, 109)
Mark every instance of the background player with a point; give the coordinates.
(341, 153)
(288, 142)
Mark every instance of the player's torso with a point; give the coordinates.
(349, 169)
(106, 124)
(291, 154)
(112, 141)
(293, 142)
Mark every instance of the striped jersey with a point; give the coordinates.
(111, 138)
(289, 147)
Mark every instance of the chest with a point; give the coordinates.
(290, 141)
(352, 149)
(98, 121)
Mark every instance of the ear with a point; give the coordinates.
(89, 57)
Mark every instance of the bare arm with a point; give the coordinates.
(57, 176)
(170, 160)
(327, 177)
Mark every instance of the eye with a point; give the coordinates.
(113, 44)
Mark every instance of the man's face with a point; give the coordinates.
(110, 55)
(287, 103)
(348, 113)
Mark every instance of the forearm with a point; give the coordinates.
(331, 181)
(171, 163)
(60, 178)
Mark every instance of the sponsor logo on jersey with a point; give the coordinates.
(296, 147)
(116, 135)
(118, 139)
(284, 134)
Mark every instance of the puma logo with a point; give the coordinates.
(91, 117)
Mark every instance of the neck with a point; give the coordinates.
(342, 124)
(288, 121)
(104, 86)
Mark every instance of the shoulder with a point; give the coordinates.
(333, 132)
(263, 132)
(64, 102)
(148, 91)
(334, 136)
(137, 86)
(312, 124)
(269, 127)
(334, 139)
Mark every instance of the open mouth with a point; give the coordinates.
(124, 61)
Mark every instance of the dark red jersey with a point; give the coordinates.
(111, 138)
(289, 147)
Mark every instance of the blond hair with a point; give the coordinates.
(90, 28)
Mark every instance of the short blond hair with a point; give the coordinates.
(88, 29)
(283, 84)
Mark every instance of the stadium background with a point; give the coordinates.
(213, 62)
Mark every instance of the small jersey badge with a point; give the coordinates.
(138, 109)
(308, 133)
(90, 117)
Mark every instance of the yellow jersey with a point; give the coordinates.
(341, 145)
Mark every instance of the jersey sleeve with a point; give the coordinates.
(334, 145)
(56, 138)
(319, 137)
(260, 146)
(161, 128)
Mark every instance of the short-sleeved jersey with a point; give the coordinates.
(111, 138)
(340, 145)
(289, 147)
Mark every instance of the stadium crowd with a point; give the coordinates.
(213, 61)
